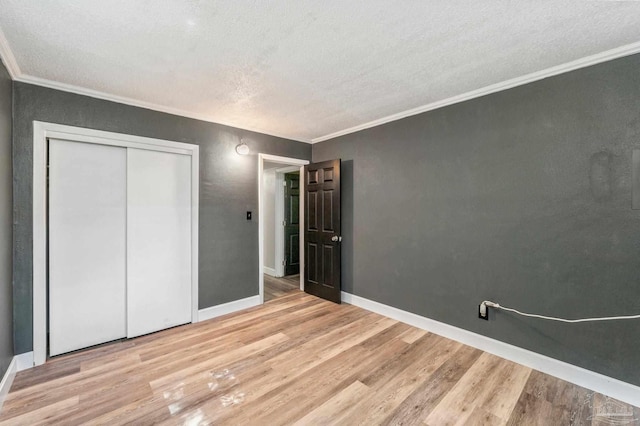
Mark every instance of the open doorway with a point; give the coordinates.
(280, 225)
(281, 230)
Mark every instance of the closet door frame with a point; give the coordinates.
(42, 131)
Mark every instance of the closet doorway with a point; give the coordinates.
(115, 237)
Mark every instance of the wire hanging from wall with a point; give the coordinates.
(490, 304)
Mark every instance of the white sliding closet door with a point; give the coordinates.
(159, 241)
(87, 243)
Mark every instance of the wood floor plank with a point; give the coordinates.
(158, 366)
(184, 400)
(338, 372)
(330, 373)
(391, 391)
(50, 414)
(313, 387)
(430, 347)
(531, 410)
(474, 386)
(430, 392)
(277, 287)
(43, 374)
(243, 351)
(568, 403)
(297, 359)
(113, 360)
(481, 417)
(413, 334)
(505, 387)
(331, 339)
(45, 393)
(327, 413)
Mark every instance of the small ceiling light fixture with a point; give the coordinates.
(242, 148)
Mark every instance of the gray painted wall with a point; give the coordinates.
(6, 219)
(522, 197)
(228, 188)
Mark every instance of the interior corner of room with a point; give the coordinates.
(121, 218)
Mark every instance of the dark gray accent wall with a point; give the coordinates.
(522, 197)
(228, 188)
(6, 220)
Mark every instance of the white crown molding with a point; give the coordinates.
(14, 70)
(605, 56)
(227, 308)
(605, 385)
(141, 104)
(6, 55)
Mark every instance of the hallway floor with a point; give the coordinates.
(276, 287)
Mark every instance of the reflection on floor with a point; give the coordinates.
(298, 360)
(276, 287)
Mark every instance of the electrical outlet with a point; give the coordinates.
(483, 312)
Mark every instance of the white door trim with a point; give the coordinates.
(288, 169)
(284, 161)
(279, 218)
(42, 131)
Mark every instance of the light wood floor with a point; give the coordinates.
(276, 287)
(297, 360)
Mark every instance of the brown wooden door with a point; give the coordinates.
(292, 223)
(322, 230)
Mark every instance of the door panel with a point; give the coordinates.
(327, 213)
(292, 223)
(311, 265)
(87, 244)
(312, 209)
(159, 241)
(322, 230)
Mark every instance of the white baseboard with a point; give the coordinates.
(580, 376)
(24, 361)
(269, 271)
(227, 308)
(7, 380)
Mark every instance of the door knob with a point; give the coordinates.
(335, 238)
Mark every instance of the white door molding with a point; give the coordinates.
(279, 218)
(285, 161)
(41, 132)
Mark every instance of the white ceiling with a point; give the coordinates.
(305, 69)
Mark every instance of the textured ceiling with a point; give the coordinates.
(302, 69)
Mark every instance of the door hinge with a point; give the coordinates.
(284, 262)
(284, 183)
(284, 223)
